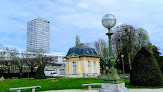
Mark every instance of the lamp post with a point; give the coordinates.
(123, 66)
(113, 83)
(109, 21)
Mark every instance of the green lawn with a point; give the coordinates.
(54, 84)
(47, 84)
(127, 84)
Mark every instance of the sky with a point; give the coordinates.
(69, 18)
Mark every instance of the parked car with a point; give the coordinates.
(50, 73)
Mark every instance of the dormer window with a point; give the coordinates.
(92, 51)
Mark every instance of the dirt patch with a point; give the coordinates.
(53, 80)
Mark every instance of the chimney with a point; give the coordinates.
(81, 44)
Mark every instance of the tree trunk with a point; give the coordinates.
(129, 61)
(32, 72)
(102, 69)
(20, 72)
(1, 72)
(8, 73)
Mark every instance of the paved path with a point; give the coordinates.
(96, 90)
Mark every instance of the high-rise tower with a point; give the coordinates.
(38, 35)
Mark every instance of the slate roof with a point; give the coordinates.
(82, 50)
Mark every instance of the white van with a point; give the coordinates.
(50, 73)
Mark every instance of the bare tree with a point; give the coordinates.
(32, 63)
(43, 61)
(2, 52)
(128, 40)
(89, 44)
(19, 63)
(8, 65)
(99, 45)
(102, 50)
(142, 39)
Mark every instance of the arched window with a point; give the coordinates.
(89, 70)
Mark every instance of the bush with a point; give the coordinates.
(145, 70)
(40, 73)
(160, 63)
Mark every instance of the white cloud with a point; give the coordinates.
(82, 5)
(83, 17)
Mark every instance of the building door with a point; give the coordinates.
(74, 67)
(89, 70)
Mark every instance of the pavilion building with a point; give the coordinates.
(82, 61)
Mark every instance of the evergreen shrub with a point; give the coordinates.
(145, 70)
(160, 63)
(40, 73)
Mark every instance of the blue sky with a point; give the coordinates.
(69, 18)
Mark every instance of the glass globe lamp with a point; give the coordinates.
(109, 21)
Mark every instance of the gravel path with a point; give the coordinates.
(96, 90)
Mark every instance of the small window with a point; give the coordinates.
(89, 69)
(54, 73)
(94, 67)
(74, 67)
(62, 71)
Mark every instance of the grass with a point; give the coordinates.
(127, 84)
(56, 84)
(48, 84)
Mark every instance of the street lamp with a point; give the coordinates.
(123, 66)
(113, 83)
(109, 21)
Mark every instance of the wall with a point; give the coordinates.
(82, 67)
